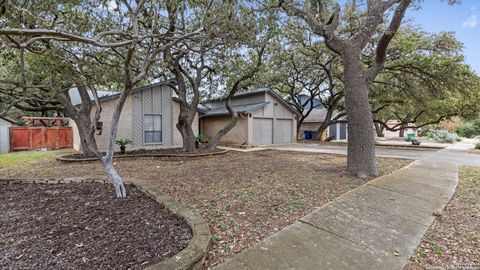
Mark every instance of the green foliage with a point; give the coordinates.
(442, 136)
(202, 138)
(470, 129)
(425, 80)
(477, 146)
(123, 142)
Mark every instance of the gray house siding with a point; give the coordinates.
(155, 100)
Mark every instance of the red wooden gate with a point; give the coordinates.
(30, 138)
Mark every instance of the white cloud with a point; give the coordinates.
(471, 22)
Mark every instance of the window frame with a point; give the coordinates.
(153, 131)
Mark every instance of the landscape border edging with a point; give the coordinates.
(221, 152)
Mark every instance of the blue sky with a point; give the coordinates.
(463, 19)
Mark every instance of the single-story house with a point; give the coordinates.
(148, 118)
(264, 118)
(338, 131)
(411, 128)
(5, 124)
(315, 118)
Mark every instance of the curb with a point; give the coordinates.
(64, 159)
(189, 258)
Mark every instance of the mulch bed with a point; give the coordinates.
(244, 197)
(453, 240)
(149, 152)
(83, 226)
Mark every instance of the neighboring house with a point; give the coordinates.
(5, 124)
(314, 119)
(264, 118)
(148, 118)
(338, 131)
(396, 134)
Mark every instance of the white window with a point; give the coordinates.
(152, 128)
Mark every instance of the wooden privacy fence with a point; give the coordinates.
(30, 138)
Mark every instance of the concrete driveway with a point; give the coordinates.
(381, 151)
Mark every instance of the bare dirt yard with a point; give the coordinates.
(453, 240)
(244, 197)
(83, 226)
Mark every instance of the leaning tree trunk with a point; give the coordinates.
(321, 129)
(233, 121)
(110, 171)
(361, 142)
(326, 122)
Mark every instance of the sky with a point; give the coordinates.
(463, 19)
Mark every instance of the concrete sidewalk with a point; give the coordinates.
(376, 226)
(381, 151)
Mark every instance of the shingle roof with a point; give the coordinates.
(239, 109)
(253, 93)
(316, 115)
(106, 95)
(77, 100)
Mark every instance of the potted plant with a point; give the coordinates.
(200, 139)
(123, 143)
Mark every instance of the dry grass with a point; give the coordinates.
(453, 240)
(245, 197)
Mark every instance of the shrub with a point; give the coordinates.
(470, 129)
(123, 142)
(477, 146)
(202, 138)
(442, 136)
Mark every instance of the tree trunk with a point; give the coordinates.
(216, 139)
(380, 130)
(88, 144)
(111, 173)
(114, 177)
(401, 132)
(219, 135)
(81, 116)
(188, 136)
(326, 122)
(361, 142)
(321, 130)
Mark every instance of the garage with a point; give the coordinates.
(262, 131)
(264, 118)
(283, 131)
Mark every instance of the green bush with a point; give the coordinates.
(477, 146)
(470, 129)
(442, 136)
(202, 138)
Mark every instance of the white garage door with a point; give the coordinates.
(283, 131)
(262, 131)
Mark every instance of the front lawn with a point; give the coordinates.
(453, 240)
(10, 160)
(244, 197)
